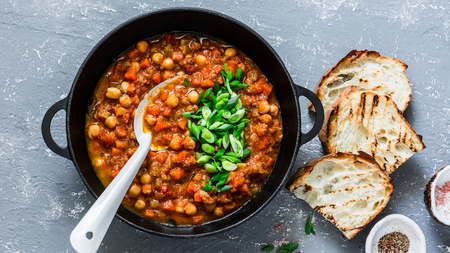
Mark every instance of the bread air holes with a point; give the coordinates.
(360, 206)
(403, 150)
(327, 189)
(381, 139)
(361, 134)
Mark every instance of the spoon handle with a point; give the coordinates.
(88, 234)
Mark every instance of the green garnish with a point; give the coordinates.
(186, 82)
(309, 228)
(220, 127)
(288, 248)
(268, 248)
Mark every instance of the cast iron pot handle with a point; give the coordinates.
(319, 114)
(45, 128)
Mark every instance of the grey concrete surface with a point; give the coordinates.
(43, 43)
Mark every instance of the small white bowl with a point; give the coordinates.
(397, 223)
(442, 177)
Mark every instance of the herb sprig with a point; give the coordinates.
(309, 228)
(220, 129)
(285, 249)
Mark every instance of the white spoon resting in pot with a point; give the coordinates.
(88, 234)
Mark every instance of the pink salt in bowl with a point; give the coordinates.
(431, 194)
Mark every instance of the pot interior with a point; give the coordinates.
(213, 25)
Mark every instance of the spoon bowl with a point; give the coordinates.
(87, 236)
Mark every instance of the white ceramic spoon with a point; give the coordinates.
(88, 234)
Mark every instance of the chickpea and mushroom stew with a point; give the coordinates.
(217, 129)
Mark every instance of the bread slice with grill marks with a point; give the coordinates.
(371, 122)
(347, 189)
(365, 70)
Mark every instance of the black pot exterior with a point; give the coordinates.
(204, 22)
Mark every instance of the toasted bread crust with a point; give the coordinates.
(351, 57)
(299, 180)
(327, 140)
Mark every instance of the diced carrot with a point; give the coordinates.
(122, 144)
(167, 111)
(197, 219)
(131, 75)
(146, 189)
(267, 88)
(207, 83)
(217, 68)
(182, 124)
(206, 69)
(145, 63)
(151, 154)
(131, 152)
(120, 132)
(191, 188)
(133, 53)
(168, 206)
(157, 78)
(131, 88)
(160, 125)
(197, 197)
(243, 188)
(161, 156)
(136, 100)
(177, 173)
(153, 110)
(174, 129)
(114, 173)
(116, 152)
(181, 155)
(149, 214)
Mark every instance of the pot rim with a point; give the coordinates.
(260, 38)
(436, 213)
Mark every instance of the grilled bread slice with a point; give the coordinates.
(369, 121)
(365, 70)
(347, 189)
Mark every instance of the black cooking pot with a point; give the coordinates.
(184, 20)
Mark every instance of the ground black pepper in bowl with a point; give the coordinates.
(394, 242)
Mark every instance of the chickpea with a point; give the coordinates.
(168, 74)
(113, 93)
(99, 162)
(200, 60)
(150, 119)
(191, 209)
(179, 209)
(157, 58)
(134, 191)
(154, 203)
(167, 64)
(230, 52)
(264, 107)
(146, 178)
(218, 211)
(193, 97)
(140, 204)
(266, 118)
(111, 122)
(189, 143)
(93, 131)
(142, 46)
(135, 66)
(124, 87)
(172, 101)
(274, 110)
(125, 101)
(176, 143)
(121, 111)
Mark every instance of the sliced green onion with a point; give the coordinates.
(229, 158)
(232, 154)
(208, 92)
(221, 104)
(238, 74)
(215, 125)
(202, 122)
(228, 166)
(239, 129)
(186, 82)
(236, 146)
(225, 127)
(213, 99)
(225, 188)
(219, 142)
(207, 135)
(208, 148)
(226, 140)
(204, 159)
(223, 96)
(226, 114)
(194, 130)
(206, 112)
(232, 102)
(210, 168)
(219, 153)
(246, 152)
(200, 97)
(186, 114)
(216, 88)
(238, 105)
(237, 116)
(208, 188)
(196, 117)
(198, 155)
(211, 118)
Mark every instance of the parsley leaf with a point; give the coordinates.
(309, 228)
(288, 248)
(268, 248)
